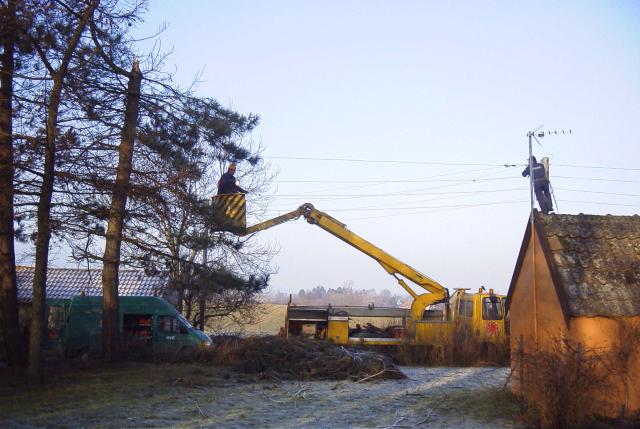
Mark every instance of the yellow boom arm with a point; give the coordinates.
(392, 265)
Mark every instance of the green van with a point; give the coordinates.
(147, 324)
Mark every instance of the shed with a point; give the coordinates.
(578, 279)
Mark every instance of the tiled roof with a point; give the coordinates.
(596, 260)
(68, 282)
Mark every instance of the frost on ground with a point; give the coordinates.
(192, 396)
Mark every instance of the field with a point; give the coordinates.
(272, 318)
(188, 395)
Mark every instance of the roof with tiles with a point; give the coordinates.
(65, 283)
(595, 260)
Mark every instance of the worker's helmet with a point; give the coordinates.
(232, 166)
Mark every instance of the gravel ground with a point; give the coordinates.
(193, 396)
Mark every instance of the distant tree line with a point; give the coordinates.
(343, 295)
(102, 152)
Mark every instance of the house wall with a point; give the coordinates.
(596, 333)
(607, 336)
(546, 315)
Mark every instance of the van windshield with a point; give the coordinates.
(184, 321)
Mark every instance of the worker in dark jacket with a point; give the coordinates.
(540, 184)
(227, 183)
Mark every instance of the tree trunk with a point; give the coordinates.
(189, 305)
(111, 260)
(38, 306)
(202, 307)
(10, 325)
(202, 298)
(43, 236)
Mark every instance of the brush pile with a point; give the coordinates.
(292, 358)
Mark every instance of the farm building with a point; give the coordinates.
(577, 281)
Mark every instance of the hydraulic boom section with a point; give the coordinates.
(395, 267)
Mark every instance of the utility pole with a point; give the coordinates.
(531, 135)
(202, 301)
(534, 135)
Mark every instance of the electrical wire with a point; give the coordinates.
(404, 194)
(411, 192)
(447, 195)
(451, 206)
(597, 179)
(601, 203)
(379, 161)
(385, 161)
(597, 167)
(599, 192)
(377, 183)
(391, 206)
(437, 210)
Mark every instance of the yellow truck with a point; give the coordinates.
(430, 319)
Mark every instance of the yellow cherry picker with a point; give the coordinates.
(429, 320)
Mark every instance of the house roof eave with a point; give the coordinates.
(556, 279)
(519, 261)
(546, 250)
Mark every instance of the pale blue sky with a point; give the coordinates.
(447, 82)
(425, 82)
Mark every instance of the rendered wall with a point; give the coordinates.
(536, 319)
(607, 336)
(540, 323)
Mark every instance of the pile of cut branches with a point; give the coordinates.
(292, 358)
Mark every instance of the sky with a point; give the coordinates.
(408, 120)
(442, 95)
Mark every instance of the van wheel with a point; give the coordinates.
(83, 354)
(184, 353)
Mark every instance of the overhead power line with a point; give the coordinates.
(387, 161)
(596, 167)
(598, 192)
(409, 192)
(451, 206)
(437, 210)
(601, 203)
(342, 186)
(391, 205)
(403, 194)
(388, 181)
(597, 179)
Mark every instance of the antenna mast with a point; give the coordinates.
(534, 135)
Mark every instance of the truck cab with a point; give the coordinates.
(482, 312)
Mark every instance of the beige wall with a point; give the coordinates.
(608, 335)
(541, 320)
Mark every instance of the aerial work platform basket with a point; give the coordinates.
(229, 212)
